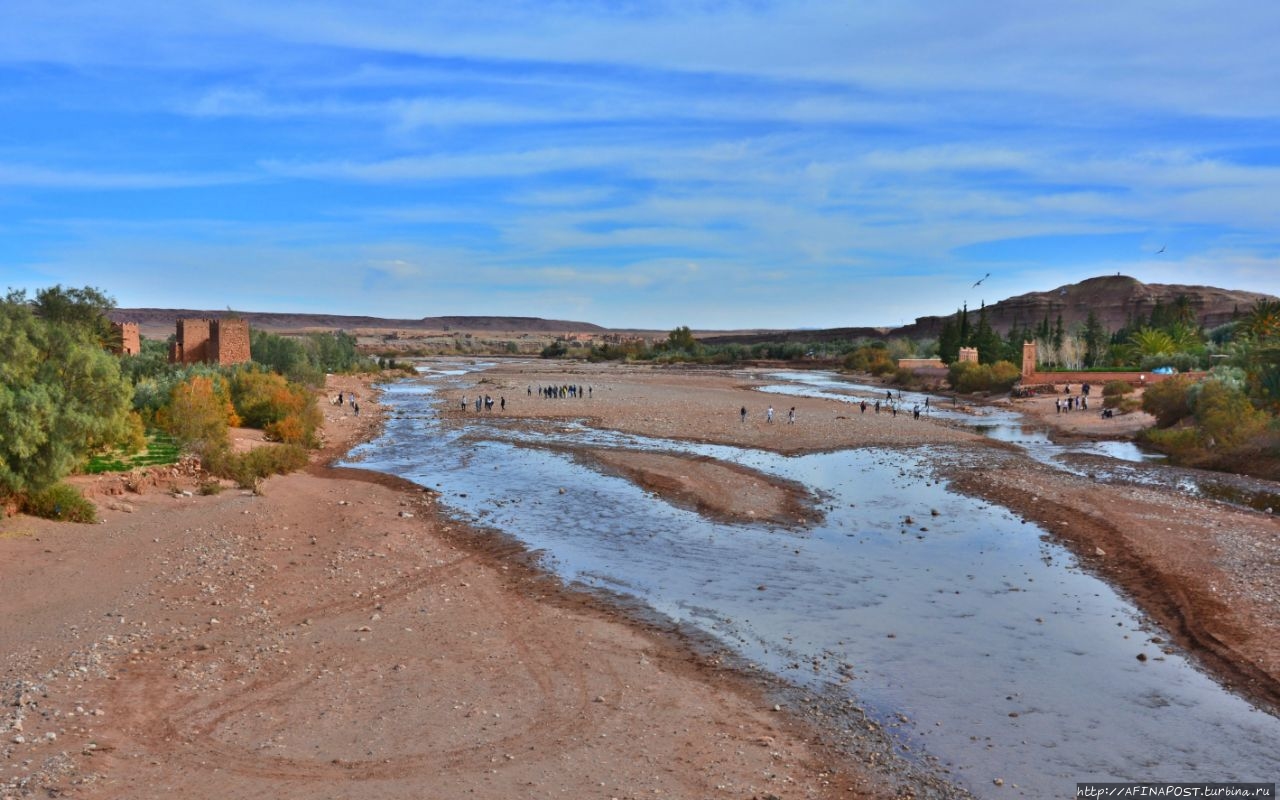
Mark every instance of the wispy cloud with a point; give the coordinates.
(618, 160)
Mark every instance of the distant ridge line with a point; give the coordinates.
(154, 318)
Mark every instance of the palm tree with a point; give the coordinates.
(1263, 320)
(1150, 342)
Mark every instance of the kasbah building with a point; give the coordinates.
(198, 341)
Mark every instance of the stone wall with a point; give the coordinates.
(1097, 379)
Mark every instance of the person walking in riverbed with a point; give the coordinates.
(743, 414)
(768, 415)
(791, 416)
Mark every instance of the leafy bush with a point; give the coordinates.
(554, 350)
(198, 414)
(60, 502)
(873, 358)
(968, 377)
(286, 411)
(1115, 388)
(1168, 400)
(1182, 445)
(249, 469)
(1226, 417)
(306, 359)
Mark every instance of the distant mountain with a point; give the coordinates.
(1116, 299)
(158, 323)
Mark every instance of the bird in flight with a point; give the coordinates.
(983, 278)
(1161, 250)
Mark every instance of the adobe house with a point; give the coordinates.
(210, 341)
(130, 340)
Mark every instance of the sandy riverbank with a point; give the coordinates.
(337, 637)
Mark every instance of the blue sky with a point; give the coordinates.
(715, 164)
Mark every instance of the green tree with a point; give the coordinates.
(1151, 342)
(990, 345)
(949, 339)
(61, 397)
(1263, 320)
(1095, 340)
(82, 310)
(681, 338)
(199, 413)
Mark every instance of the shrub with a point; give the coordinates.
(873, 358)
(249, 469)
(1168, 401)
(60, 502)
(286, 411)
(1181, 444)
(198, 414)
(968, 377)
(1114, 388)
(1226, 417)
(211, 487)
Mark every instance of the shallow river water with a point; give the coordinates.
(1006, 660)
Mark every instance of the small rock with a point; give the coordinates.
(363, 629)
(19, 739)
(1098, 551)
(1142, 656)
(761, 588)
(998, 781)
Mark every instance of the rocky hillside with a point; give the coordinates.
(1116, 299)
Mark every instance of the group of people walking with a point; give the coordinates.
(563, 391)
(349, 399)
(485, 403)
(768, 415)
(1072, 402)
